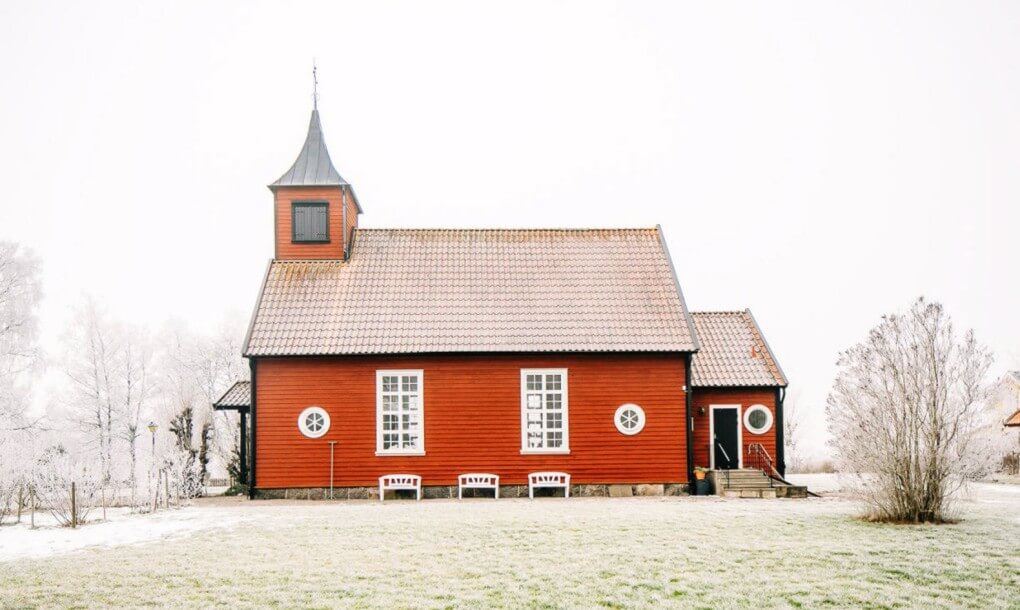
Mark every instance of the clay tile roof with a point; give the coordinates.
(1014, 419)
(438, 290)
(237, 397)
(733, 352)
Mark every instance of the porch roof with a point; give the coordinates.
(237, 398)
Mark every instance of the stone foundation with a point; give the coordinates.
(450, 491)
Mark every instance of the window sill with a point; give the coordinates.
(398, 453)
(545, 451)
(309, 241)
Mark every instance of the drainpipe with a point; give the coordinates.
(343, 218)
(244, 448)
(251, 460)
(689, 420)
(780, 440)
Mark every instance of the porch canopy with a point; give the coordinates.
(238, 398)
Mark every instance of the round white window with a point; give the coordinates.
(313, 422)
(758, 419)
(629, 419)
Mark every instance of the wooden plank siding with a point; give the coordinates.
(472, 419)
(286, 249)
(704, 398)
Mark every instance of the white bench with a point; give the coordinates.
(477, 480)
(548, 479)
(393, 482)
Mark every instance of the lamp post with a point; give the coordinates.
(152, 429)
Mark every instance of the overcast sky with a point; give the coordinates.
(819, 163)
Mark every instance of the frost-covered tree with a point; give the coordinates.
(905, 412)
(52, 477)
(109, 369)
(1003, 442)
(20, 292)
(197, 370)
(792, 420)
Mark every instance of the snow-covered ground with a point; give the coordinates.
(579, 552)
(121, 527)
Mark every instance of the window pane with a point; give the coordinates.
(758, 419)
(389, 384)
(552, 382)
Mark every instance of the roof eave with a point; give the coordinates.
(695, 342)
(784, 381)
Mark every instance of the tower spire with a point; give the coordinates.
(315, 87)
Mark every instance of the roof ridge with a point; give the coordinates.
(719, 312)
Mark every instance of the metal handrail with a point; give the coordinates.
(761, 460)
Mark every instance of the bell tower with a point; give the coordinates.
(315, 210)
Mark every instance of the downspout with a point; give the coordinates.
(780, 440)
(689, 419)
(244, 448)
(343, 218)
(251, 457)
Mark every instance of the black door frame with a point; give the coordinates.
(711, 433)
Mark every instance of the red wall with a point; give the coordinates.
(286, 249)
(745, 397)
(472, 419)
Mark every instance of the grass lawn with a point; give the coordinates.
(626, 552)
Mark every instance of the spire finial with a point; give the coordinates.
(315, 87)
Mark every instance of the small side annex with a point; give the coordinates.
(739, 390)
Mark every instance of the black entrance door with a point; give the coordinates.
(724, 445)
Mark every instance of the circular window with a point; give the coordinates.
(313, 422)
(758, 419)
(629, 419)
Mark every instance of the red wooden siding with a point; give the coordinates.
(472, 419)
(704, 398)
(286, 249)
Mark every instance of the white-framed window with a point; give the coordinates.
(400, 416)
(313, 422)
(544, 421)
(629, 419)
(758, 419)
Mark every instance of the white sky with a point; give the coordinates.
(820, 163)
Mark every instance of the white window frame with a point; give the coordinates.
(564, 390)
(747, 419)
(304, 428)
(641, 419)
(711, 434)
(379, 374)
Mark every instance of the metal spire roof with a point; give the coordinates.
(313, 166)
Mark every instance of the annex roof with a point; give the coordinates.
(238, 397)
(444, 290)
(1014, 420)
(733, 352)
